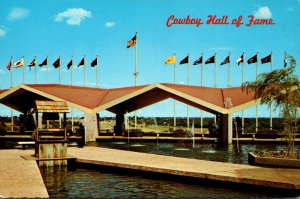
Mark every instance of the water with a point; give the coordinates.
(84, 182)
(203, 151)
(99, 182)
(95, 183)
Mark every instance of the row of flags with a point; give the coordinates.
(56, 64)
(172, 60)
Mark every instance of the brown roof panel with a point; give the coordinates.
(113, 94)
(210, 95)
(83, 96)
(237, 96)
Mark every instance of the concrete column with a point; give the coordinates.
(90, 127)
(227, 128)
(119, 127)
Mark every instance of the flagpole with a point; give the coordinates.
(202, 70)
(35, 81)
(136, 61)
(59, 80)
(11, 85)
(72, 70)
(72, 111)
(215, 67)
(97, 85)
(215, 81)
(59, 73)
(188, 82)
(174, 108)
(243, 119)
(47, 72)
(201, 119)
(11, 74)
(256, 107)
(23, 76)
(271, 120)
(136, 74)
(84, 75)
(229, 71)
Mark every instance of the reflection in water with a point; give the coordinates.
(137, 145)
(202, 151)
(95, 183)
(214, 152)
(181, 149)
(92, 183)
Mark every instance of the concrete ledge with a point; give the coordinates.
(20, 178)
(272, 161)
(288, 179)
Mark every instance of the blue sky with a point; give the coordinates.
(91, 27)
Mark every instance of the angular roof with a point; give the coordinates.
(127, 99)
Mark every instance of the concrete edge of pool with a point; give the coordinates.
(283, 178)
(22, 178)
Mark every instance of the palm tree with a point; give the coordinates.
(282, 88)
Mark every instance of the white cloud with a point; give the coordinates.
(110, 24)
(1, 71)
(17, 13)
(44, 69)
(263, 13)
(290, 9)
(2, 32)
(222, 48)
(73, 16)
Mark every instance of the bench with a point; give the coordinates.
(23, 144)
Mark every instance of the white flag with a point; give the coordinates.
(19, 63)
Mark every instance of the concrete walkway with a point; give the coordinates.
(228, 172)
(20, 178)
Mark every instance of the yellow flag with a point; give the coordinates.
(171, 60)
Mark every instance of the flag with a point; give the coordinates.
(131, 42)
(171, 60)
(266, 59)
(285, 62)
(9, 65)
(32, 63)
(226, 61)
(19, 63)
(198, 61)
(81, 62)
(252, 59)
(95, 62)
(210, 60)
(45, 62)
(70, 64)
(240, 60)
(185, 60)
(56, 64)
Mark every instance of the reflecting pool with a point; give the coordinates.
(83, 182)
(202, 151)
(95, 183)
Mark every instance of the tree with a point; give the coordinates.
(282, 88)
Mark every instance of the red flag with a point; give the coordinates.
(9, 65)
